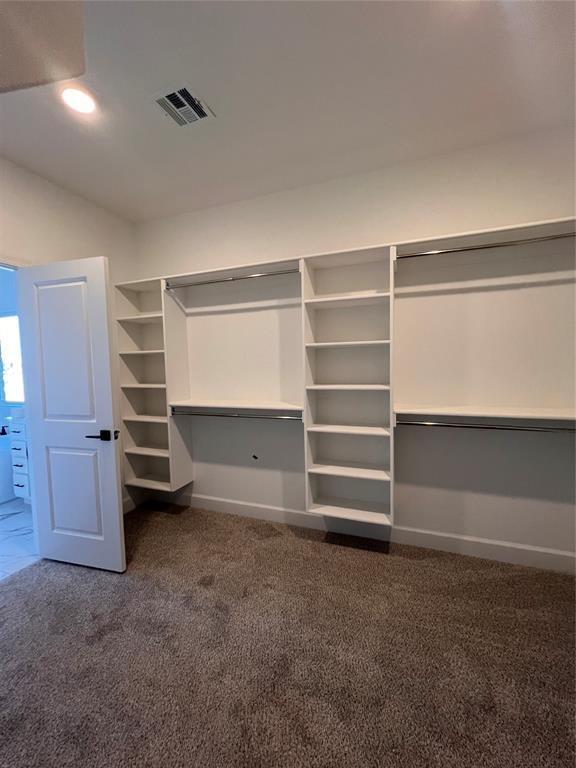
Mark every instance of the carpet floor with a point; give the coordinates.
(235, 643)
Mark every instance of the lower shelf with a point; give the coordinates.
(345, 429)
(348, 387)
(350, 469)
(333, 508)
(137, 450)
(153, 482)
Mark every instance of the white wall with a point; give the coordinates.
(502, 184)
(41, 222)
(505, 184)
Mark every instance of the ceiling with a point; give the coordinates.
(303, 92)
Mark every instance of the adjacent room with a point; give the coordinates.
(17, 542)
(287, 384)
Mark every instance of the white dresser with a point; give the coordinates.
(19, 454)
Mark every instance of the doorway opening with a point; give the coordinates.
(17, 540)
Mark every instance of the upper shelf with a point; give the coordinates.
(347, 429)
(343, 344)
(246, 408)
(352, 299)
(504, 412)
(350, 387)
(143, 317)
(140, 286)
(335, 259)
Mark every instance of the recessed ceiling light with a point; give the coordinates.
(78, 100)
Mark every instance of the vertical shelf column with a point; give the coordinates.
(347, 337)
(142, 372)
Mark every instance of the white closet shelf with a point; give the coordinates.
(143, 317)
(343, 344)
(143, 386)
(140, 286)
(146, 419)
(355, 299)
(559, 414)
(349, 387)
(141, 352)
(333, 508)
(153, 482)
(137, 450)
(350, 469)
(247, 405)
(350, 258)
(344, 429)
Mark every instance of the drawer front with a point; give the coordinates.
(18, 448)
(21, 487)
(18, 431)
(20, 464)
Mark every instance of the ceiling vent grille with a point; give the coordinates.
(182, 107)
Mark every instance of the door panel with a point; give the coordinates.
(62, 315)
(75, 478)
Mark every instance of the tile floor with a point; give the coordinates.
(17, 545)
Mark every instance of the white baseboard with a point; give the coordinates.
(504, 551)
(128, 504)
(286, 516)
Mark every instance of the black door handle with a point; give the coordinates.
(105, 434)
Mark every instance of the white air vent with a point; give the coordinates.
(182, 107)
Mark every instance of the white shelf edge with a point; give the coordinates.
(351, 470)
(247, 405)
(344, 429)
(358, 297)
(137, 450)
(150, 483)
(141, 352)
(552, 414)
(338, 344)
(145, 285)
(349, 387)
(142, 386)
(146, 419)
(143, 317)
(350, 513)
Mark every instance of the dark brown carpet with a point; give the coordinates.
(232, 643)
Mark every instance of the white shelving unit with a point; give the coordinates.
(313, 339)
(347, 332)
(334, 374)
(148, 437)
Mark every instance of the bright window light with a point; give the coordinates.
(11, 381)
(78, 100)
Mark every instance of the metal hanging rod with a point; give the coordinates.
(186, 412)
(232, 279)
(487, 245)
(468, 425)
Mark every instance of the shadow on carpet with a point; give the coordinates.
(235, 643)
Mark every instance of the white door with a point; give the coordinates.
(70, 407)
